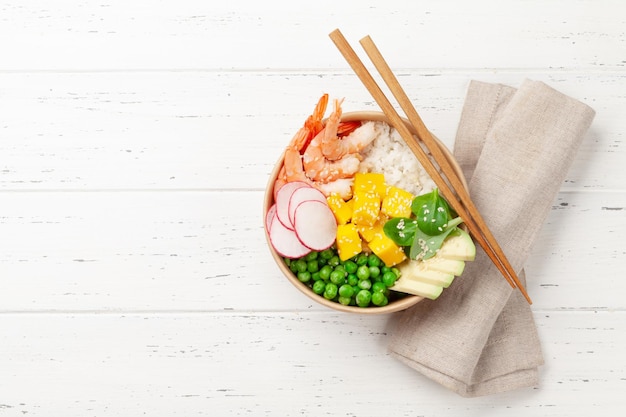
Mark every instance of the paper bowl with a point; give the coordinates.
(395, 305)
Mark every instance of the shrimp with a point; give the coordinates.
(335, 148)
(318, 155)
(319, 168)
(293, 170)
(328, 157)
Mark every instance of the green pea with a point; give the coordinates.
(344, 300)
(350, 267)
(374, 271)
(346, 291)
(315, 276)
(363, 272)
(361, 259)
(301, 265)
(311, 256)
(304, 276)
(319, 287)
(379, 287)
(373, 260)
(330, 291)
(363, 298)
(338, 277)
(365, 284)
(327, 254)
(384, 269)
(352, 279)
(379, 299)
(312, 266)
(389, 278)
(334, 261)
(325, 272)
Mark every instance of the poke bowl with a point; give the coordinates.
(328, 212)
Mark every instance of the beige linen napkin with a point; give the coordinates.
(515, 147)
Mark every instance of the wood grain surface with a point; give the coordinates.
(136, 141)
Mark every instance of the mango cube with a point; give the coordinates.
(370, 182)
(397, 202)
(340, 208)
(348, 241)
(368, 233)
(390, 253)
(365, 208)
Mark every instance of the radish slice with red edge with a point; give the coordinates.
(315, 225)
(303, 194)
(285, 242)
(282, 201)
(271, 212)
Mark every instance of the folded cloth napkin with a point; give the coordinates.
(515, 147)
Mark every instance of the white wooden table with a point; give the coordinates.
(136, 139)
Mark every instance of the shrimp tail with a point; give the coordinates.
(313, 124)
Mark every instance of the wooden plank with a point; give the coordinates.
(225, 130)
(314, 363)
(206, 251)
(248, 34)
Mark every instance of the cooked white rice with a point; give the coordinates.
(390, 155)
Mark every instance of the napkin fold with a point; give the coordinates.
(515, 147)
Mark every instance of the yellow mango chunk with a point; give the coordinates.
(390, 253)
(365, 208)
(397, 202)
(348, 241)
(340, 208)
(370, 182)
(368, 233)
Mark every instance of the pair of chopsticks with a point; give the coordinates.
(452, 189)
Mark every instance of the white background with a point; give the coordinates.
(136, 140)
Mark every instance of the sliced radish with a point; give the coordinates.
(285, 241)
(271, 212)
(282, 201)
(303, 194)
(315, 224)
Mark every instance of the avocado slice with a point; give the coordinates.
(420, 271)
(449, 266)
(420, 288)
(458, 246)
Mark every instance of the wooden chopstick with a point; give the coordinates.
(424, 134)
(486, 240)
